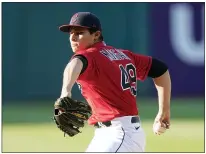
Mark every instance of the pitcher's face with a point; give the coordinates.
(80, 38)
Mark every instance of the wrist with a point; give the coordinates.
(163, 112)
(164, 109)
(66, 94)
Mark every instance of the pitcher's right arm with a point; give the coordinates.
(147, 66)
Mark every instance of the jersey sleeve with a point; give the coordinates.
(142, 64)
(84, 62)
(90, 66)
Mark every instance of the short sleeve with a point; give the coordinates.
(88, 72)
(142, 64)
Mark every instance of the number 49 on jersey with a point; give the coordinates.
(128, 78)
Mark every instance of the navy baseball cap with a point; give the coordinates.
(82, 19)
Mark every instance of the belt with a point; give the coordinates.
(109, 123)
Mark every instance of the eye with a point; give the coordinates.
(79, 33)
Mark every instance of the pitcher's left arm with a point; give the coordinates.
(70, 75)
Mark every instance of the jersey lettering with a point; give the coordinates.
(114, 54)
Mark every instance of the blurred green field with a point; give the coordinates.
(24, 131)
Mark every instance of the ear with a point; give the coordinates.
(97, 34)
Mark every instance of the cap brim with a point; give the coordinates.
(66, 28)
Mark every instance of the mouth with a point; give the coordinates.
(74, 45)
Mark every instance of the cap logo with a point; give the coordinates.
(74, 18)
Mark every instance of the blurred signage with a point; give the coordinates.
(178, 39)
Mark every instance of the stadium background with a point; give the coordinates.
(35, 52)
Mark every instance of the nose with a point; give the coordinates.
(73, 37)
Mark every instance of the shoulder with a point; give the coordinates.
(86, 58)
(75, 62)
(88, 52)
(136, 54)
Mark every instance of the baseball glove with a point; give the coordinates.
(69, 115)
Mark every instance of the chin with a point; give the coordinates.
(74, 50)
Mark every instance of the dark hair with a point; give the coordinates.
(93, 30)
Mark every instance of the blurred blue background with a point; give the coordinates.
(35, 53)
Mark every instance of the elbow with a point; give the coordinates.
(163, 81)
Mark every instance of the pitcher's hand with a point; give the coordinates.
(161, 122)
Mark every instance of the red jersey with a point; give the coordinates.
(109, 81)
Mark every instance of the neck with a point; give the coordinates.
(97, 41)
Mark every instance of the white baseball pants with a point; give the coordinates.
(121, 136)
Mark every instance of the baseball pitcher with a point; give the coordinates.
(107, 78)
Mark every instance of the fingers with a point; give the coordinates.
(160, 132)
(160, 125)
(167, 125)
(159, 128)
(164, 120)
